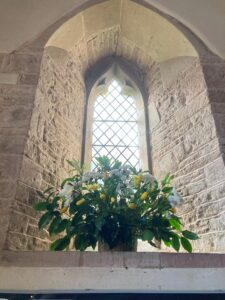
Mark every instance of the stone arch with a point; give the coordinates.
(182, 102)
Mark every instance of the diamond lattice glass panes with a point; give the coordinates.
(115, 128)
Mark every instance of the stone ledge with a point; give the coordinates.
(111, 272)
(140, 260)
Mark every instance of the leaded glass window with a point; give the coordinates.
(115, 126)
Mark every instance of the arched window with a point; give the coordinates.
(116, 121)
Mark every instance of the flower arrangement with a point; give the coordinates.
(113, 205)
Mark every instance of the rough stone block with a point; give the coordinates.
(4, 223)
(33, 231)
(12, 144)
(15, 116)
(215, 172)
(31, 174)
(34, 243)
(26, 210)
(7, 188)
(22, 192)
(28, 79)
(18, 223)
(9, 166)
(8, 78)
(192, 83)
(16, 95)
(16, 241)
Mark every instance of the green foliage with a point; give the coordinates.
(75, 166)
(175, 242)
(60, 244)
(166, 180)
(186, 244)
(147, 235)
(175, 223)
(190, 235)
(104, 163)
(45, 220)
(116, 204)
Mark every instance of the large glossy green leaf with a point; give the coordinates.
(168, 244)
(167, 189)
(186, 244)
(81, 242)
(61, 226)
(60, 244)
(175, 242)
(174, 223)
(55, 201)
(147, 235)
(190, 235)
(45, 220)
(54, 225)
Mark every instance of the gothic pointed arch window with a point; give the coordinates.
(116, 124)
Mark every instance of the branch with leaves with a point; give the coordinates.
(114, 204)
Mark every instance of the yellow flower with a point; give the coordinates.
(81, 201)
(113, 199)
(144, 196)
(63, 209)
(132, 205)
(92, 187)
(137, 180)
(102, 196)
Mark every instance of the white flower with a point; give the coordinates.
(68, 201)
(66, 192)
(118, 188)
(148, 178)
(175, 199)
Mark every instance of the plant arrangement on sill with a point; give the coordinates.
(113, 206)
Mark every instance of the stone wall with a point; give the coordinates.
(42, 95)
(55, 135)
(18, 78)
(185, 142)
(42, 128)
